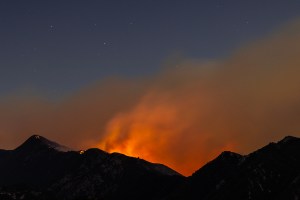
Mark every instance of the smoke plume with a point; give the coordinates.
(182, 117)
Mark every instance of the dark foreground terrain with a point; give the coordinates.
(40, 169)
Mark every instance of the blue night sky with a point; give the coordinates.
(56, 47)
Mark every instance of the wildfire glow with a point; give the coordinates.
(155, 132)
(183, 116)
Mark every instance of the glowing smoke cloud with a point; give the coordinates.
(181, 117)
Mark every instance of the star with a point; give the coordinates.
(52, 28)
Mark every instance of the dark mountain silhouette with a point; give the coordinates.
(38, 143)
(272, 172)
(42, 169)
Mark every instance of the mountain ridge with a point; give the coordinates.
(38, 169)
(36, 141)
(271, 172)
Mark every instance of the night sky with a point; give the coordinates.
(55, 47)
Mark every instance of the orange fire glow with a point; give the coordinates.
(155, 132)
(183, 116)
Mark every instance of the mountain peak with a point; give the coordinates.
(289, 139)
(37, 142)
(37, 138)
(229, 155)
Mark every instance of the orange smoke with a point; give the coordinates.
(163, 127)
(183, 116)
(191, 113)
(156, 131)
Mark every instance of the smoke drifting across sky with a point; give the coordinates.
(182, 117)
